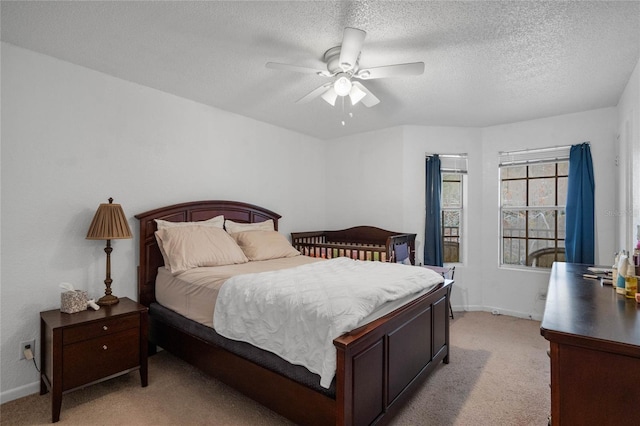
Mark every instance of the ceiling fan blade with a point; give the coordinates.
(370, 99)
(297, 68)
(352, 41)
(314, 93)
(414, 68)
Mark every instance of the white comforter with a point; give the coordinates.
(297, 313)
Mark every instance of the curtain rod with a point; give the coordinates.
(535, 150)
(446, 155)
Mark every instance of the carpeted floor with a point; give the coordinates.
(498, 375)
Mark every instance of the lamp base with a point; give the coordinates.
(108, 300)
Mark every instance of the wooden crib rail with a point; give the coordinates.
(361, 242)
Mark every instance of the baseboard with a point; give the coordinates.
(496, 311)
(20, 392)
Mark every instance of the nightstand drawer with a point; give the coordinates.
(93, 359)
(103, 327)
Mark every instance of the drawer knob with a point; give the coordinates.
(105, 328)
(104, 347)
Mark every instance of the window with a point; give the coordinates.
(533, 194)
(453, 169)
(451, 216)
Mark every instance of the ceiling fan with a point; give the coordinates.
(344, 68)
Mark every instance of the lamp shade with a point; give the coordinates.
(109, 223)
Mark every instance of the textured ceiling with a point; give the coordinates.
(486, 63)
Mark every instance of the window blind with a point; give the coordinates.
(534, 156)
(452, 163)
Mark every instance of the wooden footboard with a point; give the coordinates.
(380, 365)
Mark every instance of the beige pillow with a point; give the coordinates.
(217, 222)
(264, 245)
(233, 227)
(190, 247)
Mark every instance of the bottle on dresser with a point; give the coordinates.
(633, 270)
(636, 253)
(630, 281)
(622, 272)
(614, 270)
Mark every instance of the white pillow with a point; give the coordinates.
(233, 227)
(217, 222)
(190, 247)
(264, 245)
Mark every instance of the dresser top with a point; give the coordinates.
(583, 311)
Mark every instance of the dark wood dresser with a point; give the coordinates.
(594, 335)
(90, 346)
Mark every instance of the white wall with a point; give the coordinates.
(627, 210)
(364, 180)
(72, 138)
(516, 291)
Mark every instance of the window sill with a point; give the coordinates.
(525, 268)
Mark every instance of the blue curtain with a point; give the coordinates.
(433, 230)
(580, 222)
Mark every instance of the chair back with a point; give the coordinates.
(401, 254)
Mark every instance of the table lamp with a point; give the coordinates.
(109, 223)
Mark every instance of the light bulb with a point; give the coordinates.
(342, 85)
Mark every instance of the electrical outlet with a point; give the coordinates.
(27, 344)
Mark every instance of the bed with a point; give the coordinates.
(379, 365)
(359, 242)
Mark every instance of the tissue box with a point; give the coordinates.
(73, 301)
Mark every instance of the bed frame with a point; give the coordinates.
(378, 365)
(359, 242)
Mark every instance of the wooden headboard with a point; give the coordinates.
(150, 256)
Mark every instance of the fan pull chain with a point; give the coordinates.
(349, 115)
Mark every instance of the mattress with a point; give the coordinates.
(193, 293)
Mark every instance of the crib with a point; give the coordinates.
(360, 242)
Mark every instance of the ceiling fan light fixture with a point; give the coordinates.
(342, 85)
(330, 96)
(356, 94)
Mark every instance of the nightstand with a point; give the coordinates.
(91, 346)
